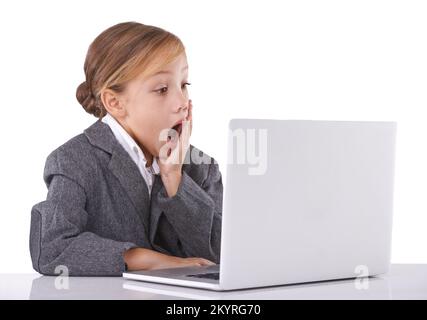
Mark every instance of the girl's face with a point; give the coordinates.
(156, 103)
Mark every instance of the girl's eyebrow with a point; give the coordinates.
(168, 72)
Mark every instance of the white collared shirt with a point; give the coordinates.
(134, 151)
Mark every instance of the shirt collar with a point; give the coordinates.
(128, 143)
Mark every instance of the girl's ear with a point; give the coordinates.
(112, 103)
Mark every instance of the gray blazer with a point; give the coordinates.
(98, 206)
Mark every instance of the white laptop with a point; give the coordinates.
(304, 201)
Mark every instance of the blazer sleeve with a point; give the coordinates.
(59, 237)
(189, 223)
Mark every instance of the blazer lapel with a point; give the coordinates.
(127, 172)
(123, 168)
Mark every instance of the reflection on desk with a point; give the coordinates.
(338, 289)
(84, 288)
(404, 281)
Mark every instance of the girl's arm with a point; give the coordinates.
(189, 223)
(58, 239)
(58, 235)
(146, 259)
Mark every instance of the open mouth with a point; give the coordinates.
(175, 130)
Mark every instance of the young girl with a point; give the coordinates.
(121, 194)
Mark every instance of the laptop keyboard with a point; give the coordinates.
(211, 275)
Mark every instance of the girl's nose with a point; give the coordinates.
(183, 105)
(181, 102)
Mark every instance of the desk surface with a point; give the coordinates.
(404, 281)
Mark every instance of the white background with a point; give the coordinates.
(327, 60)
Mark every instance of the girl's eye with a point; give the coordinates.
(165, 89)
(162, 90)
(185, 85)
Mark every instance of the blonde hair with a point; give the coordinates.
(120, 54)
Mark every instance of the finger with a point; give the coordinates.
(210, 263)
(184, 139)
(206, 262)
(195, 260)
(185, 132)
(190, 110)
(190, 114)
(194, 264)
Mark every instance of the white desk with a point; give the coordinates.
(405, 281)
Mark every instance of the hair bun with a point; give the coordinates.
(86, 98)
